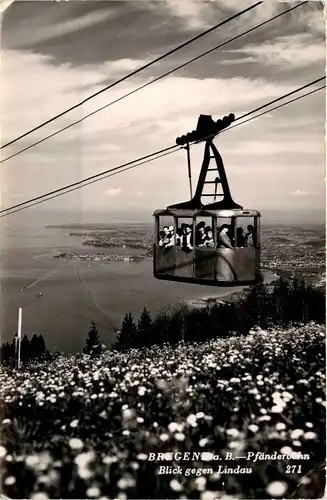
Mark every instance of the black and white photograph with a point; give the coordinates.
(162, 249)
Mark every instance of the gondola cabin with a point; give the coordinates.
(210, 244)
(208, 262)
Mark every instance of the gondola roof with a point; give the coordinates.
(183, 213)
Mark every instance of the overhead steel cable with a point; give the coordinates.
(78, 183)
(280, 98)
(129, 165)
(135, 72)
(203, 54)
(98, 179)
(273, 109)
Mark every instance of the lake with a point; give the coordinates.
(75, 292)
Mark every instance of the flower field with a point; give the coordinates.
(81, 427)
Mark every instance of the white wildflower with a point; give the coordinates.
(173, 427)
(203, 442)
(76, 443)
(200, 483)
(175, 485)
(191, 420)
(280, 426)
(10, 480)
(286, 450)
(210, 495)
(141, 391)
(276, 489)
(126, 482)
(296, 433)
(129, 414)
(93, 492)
(232, 432)
(32, 461)
(310, 435)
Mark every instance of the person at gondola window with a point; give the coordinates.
(249, 237)
(209, 242)
(200, 234)
(170, 237)
(223, 238)
(163, 240)
(240, 238)
(164, 236)
(187, 243)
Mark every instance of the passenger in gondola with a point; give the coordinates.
(240, 238)
(187, 240)
(209, 242)
(200, 234)
(249, 237)
(170, 237)
(163, 237)
(224, 240)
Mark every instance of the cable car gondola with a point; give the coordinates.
(225, 257)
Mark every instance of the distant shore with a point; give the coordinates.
(98, 257)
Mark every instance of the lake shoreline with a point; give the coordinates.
(229, 296)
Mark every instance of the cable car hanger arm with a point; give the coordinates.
(206, 130)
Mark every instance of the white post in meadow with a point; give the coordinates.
(19, 332)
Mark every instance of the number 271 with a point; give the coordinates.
(293, 469)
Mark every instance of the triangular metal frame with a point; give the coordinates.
(227, 203)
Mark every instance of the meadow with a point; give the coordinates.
(82, 427)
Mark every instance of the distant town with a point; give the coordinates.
(295, 251)
(98, 256)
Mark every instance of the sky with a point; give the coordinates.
(55, 54)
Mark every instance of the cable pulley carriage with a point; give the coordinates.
(219, 245)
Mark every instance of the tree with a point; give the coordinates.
(41, 345)
(34, 346)
(177, 324)
(145, 320)
(25, 349)
(161, 324)
(126, 335)
(93, 345)
(144, 327)
(257, 305)
(281, 301)
(6, 352)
